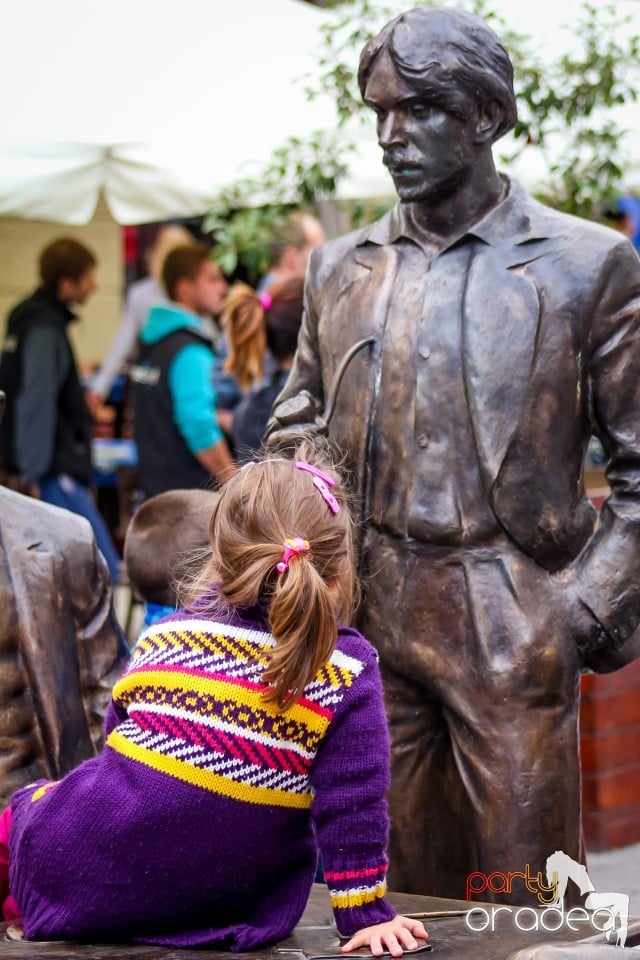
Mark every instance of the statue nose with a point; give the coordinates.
(390, 130)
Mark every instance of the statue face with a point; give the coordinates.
(429, 152)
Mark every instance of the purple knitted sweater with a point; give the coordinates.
(198, 823)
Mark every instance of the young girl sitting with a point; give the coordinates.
(248, 731)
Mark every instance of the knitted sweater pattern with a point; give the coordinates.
(189, 712)
(195, 710)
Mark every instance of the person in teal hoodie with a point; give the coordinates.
(180, 442)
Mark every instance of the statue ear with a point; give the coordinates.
(488, 119)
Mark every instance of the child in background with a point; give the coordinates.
(164, 533)
(248, 729)
(253, 322)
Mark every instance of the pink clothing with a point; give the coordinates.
(9, 906)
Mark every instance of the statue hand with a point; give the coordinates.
(294, 420)
(593, 642)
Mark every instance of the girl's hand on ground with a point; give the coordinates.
(394, 936)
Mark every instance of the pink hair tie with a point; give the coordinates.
(293, 547)
(321, 481)
(266, 301)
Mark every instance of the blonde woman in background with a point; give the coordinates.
(255, 323)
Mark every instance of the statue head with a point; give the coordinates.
(441, 84)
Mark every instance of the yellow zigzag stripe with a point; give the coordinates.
(343, 900)
(241, 649)
(335, 676)
(206, 778)
(221, 689)
(195, 640)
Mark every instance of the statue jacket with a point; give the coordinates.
(60, 642)
(549, 312)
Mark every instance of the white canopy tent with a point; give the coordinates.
(159, 103)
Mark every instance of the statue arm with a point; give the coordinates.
(297, 410)
(607, 572)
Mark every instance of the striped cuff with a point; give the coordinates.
(358, 897)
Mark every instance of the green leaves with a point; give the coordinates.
(244, 216)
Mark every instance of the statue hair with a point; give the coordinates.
(449, 56)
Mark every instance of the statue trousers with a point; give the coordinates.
(481, 681)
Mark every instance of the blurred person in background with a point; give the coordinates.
(165, 535)
(141, 296)
(254, 321)
(176, 429)
(291, 247)
(628, 217)
(45, 438)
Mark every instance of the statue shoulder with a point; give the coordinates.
(328, 256)
(33, 521)
(591, 236)
(334, 251)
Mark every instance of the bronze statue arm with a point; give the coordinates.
(607, 572)
(296, 411)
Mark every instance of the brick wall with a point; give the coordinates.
(610, 750)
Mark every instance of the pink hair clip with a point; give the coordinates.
(316, 471)
(326, 495)
(321, 481)
(266, 300)
(292, 548)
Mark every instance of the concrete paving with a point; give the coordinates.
(617, 871)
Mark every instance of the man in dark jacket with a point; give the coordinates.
(180, 443)
(45, 440)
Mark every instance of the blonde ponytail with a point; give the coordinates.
(261, 512)
(243, 318)
(304, 625)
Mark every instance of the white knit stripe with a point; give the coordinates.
(345, 662)
(334, 698)
(318, 690)
(276, 780)
(210, 628)
(184, 657)
(217, 724)
(379, 887)
(199, 756)
(207, 661)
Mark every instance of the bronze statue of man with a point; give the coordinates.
(505, 334)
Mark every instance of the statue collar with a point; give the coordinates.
(517, 218)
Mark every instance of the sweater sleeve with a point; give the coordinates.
(350, 778)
